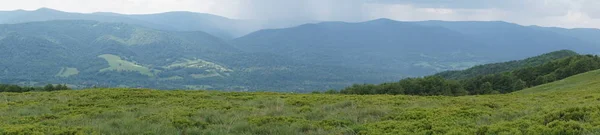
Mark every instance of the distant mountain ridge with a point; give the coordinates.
(173, 21)
(161, 48)
(420, 48)
(380, 44)
(91, 53)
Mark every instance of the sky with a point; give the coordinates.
(557, 13)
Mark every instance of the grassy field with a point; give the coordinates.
(589, 81)
(130, 111)
(118, 64)
(571, 106)
(66, 72)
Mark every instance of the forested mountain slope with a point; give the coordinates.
(493, 68)
(90, 53)
(512, 41)
(387, 45)
(413, 48)
(502, 82)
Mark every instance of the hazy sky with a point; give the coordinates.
(562, 13)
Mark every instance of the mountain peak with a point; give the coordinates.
(45, 9)
(383, 20)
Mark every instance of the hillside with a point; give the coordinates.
(496, 83)
(579, 83)
(494, 68)
(90, 53)
(407, 47)
(142, 51)
(400, 48)
(134, 111)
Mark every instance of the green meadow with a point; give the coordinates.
(118, 64)
(554, 108)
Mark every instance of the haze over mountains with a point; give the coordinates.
(172, 21)
(178, 50)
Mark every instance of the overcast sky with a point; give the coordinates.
(561, 13)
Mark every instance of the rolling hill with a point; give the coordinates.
(584, 82)
(488, 79)
(139, 111)
(494, 68)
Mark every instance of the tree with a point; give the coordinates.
(62, 87)
(49, 87)
(486, 88)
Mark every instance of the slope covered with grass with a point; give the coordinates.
(589, 81)
(133, 111)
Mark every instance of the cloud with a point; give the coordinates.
(302, 9)
(564, 13)
(411, 13)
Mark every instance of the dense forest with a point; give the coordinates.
(503, 82)
(494, 68)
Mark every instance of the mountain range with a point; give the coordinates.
(185, 50)
(222, 27)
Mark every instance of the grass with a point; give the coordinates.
(589, 81)
(118, 64)
(66, 72)
(199, 64)
(139, 111)
(569, 106)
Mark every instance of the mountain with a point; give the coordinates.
(189, 21)
(587, 34)
(410, 48)
(91, 53)
(400, 48)
(172, 21)
(513, 41)
(157, 50)
(496, 83)
(46, 14)
(494, 68)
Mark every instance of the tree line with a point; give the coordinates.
(17, 88)
(506, 66)
(504, 82)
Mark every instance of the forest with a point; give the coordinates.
(496, 83)
(17, 88)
